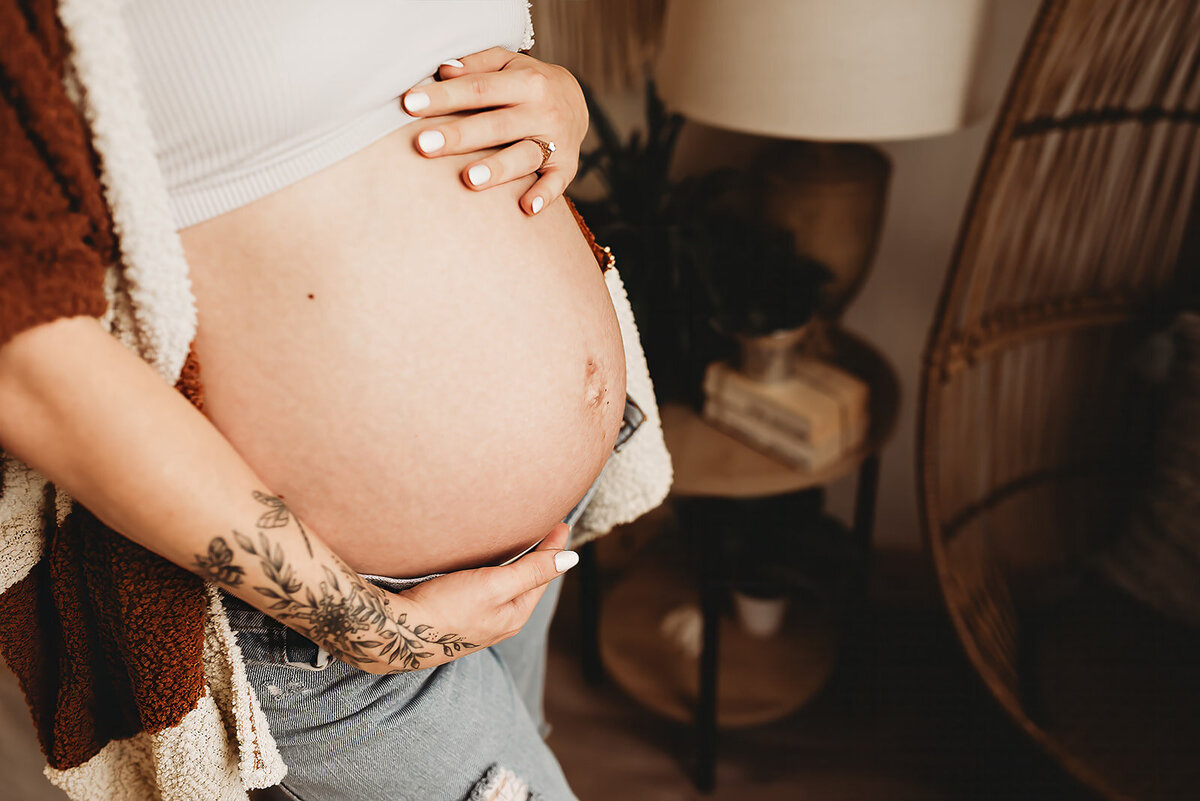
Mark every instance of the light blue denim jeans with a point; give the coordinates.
(446, 733)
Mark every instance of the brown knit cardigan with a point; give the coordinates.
(105, 637)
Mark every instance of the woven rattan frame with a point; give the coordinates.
(1080, 230)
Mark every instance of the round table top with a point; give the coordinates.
(709, 462)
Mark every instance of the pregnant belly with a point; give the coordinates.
(430, 378)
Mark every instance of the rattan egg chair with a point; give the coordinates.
(1081, 234)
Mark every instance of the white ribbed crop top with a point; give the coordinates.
(245, 97)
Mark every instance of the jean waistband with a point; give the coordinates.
(396, 584)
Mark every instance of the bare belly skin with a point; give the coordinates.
(429, 377)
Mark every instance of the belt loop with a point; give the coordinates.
(322, 659)
(298, 652)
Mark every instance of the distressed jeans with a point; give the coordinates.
(470, 729)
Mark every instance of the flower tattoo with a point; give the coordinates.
(349, 617)
(218, 565)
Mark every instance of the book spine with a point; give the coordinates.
(763, 438)
(747, 405)
(717, 386)
(834, 421)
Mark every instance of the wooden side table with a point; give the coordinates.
(712, 464)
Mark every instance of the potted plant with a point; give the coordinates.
(700, 274)
(655, 228)
(761, 292)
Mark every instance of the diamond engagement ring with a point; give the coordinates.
(547, 149)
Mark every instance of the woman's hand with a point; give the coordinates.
(524, 98)
(456, 614)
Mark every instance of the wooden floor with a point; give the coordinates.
(915, 725)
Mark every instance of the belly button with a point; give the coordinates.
(594, 385)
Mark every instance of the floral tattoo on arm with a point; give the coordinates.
(346, 615)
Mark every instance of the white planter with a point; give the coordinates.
(770, 357)
(759, 617)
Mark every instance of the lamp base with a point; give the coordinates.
(831, 196)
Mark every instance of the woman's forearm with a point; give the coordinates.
(99, 422)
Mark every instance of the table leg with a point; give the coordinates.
(706, 707)
(589, 614)
(864, 503)
(860, 685)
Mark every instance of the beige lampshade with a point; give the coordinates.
(821, 69)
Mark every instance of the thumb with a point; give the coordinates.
(541, 565)
(556, 539)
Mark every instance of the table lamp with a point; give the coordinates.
(823, 76)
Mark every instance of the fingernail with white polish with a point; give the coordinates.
(451, 62)
(478, 174)
(565, 560)
(429, 141)
(415, 101)
(536, 204)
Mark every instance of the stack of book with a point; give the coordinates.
(809, 421)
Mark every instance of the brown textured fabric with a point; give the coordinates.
(602, 255)
(105, 637)
(55, 231)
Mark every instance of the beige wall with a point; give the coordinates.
(931, 181)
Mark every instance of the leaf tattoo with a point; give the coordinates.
(349, 617)
(346, 615)
(278, 515)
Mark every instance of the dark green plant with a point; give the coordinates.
(756, 280)
(694, 273)
(648, 221)
(634, 173)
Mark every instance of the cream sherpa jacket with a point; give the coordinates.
(222, 747)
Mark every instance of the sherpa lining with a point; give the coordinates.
(527, 39)
(155, 271)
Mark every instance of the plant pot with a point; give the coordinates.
(759, 617)
(770, 357)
